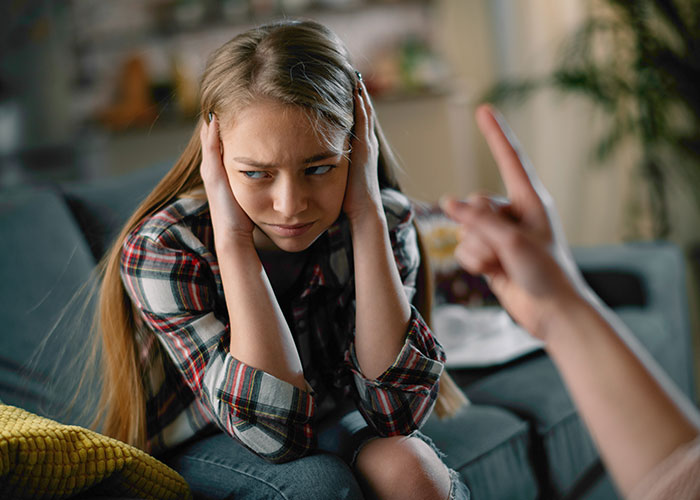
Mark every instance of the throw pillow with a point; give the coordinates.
(41, 458)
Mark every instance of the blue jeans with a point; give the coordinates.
(219, 467)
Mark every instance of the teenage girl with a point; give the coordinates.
(256, 316)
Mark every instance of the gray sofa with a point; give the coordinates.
(520, 438)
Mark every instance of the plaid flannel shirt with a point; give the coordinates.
(170, 272)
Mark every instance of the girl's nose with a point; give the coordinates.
(290, 198)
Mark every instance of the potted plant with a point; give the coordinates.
(638, 61)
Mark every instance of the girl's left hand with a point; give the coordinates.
(362, 195)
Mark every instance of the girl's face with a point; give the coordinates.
(289, 181)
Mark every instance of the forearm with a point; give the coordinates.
(382, 308)
(634, 421)
(260, 336)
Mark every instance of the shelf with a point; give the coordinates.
(162, 27)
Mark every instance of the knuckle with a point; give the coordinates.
(466, 216)
(207, 172)
(482, 203)
(210, 147)
(465, 257)
(514, 239)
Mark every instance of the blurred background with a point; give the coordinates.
(602, 94)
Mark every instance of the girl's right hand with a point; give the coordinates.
(229, 220)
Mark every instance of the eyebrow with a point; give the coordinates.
(311, 159)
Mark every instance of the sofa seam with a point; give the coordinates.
(525, 426)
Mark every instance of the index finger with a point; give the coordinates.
(521, 182)
(209, 136)
(364, 112)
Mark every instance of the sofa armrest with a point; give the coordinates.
(649, 277)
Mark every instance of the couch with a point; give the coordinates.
(520, 438)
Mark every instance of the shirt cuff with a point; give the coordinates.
(419, 364)
(252, 392)
(270, 416)
(400, 400)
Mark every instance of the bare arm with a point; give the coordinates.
(260, 336)
(636, 417)
(382, 308)
(633, 419)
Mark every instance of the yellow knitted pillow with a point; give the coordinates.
(41, 458)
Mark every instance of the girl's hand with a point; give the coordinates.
(518, 246)
(227, 217)
(362, 195)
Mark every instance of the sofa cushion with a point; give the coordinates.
(653, 333)
(102, 207)
(485, 445)
(660, 267)
(533, 390)
(45, 261)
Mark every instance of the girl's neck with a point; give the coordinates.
(282, 268)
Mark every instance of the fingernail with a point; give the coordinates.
(359, 75)
(211, 115)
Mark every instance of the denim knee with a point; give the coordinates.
(321, 476)
(218, 467)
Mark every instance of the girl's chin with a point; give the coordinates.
(272, 242)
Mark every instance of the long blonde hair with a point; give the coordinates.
(300, 63)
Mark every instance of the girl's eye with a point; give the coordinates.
(253, 174)
(319, 170)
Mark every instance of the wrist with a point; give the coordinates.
(371, 217)
(234, 243)
(566, 318)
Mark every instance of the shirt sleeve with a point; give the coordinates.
(174, 291)
(678, 476)
(401, 399)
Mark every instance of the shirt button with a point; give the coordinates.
(302, 324)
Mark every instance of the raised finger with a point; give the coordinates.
(519, 178)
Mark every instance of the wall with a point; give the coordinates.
(488, 40)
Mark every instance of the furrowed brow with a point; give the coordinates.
(252, 163)
(322, 156)
(311, 159)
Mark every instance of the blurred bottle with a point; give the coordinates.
(185, 88)
(133, 103)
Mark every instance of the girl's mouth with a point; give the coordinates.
(290, 231)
